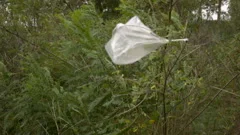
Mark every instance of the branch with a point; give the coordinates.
(170, 12)
(32, 44)
(68, 5)
(175, 3)
(226, 91)
(132, 108)
(216, 95)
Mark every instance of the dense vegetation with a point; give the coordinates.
(56, 78)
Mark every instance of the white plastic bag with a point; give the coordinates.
(132, 41)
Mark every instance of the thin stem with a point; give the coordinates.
(226, 91)
(165, 73)
(170, 12)
(210, 102)
(133, 107)
(164, 100)
(174, 3)
(175, 62)
(43, 128)
(32, 44)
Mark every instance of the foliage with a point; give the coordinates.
(56, 78)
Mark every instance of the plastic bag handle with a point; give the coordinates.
(179, 40)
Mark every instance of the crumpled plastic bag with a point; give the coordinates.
(132, 41)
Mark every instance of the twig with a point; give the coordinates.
(164, 100)
(170, 12)
(226, 91)
(175, 62)
(183, 99)
(193, 50)
(127, 128)
(132, 108)
(68, 5)
(165, 72)
(210, 102)
(175, 2)
(43, 127)
(55, 117)
(72, 126)
(32, 44)
(166, 75)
